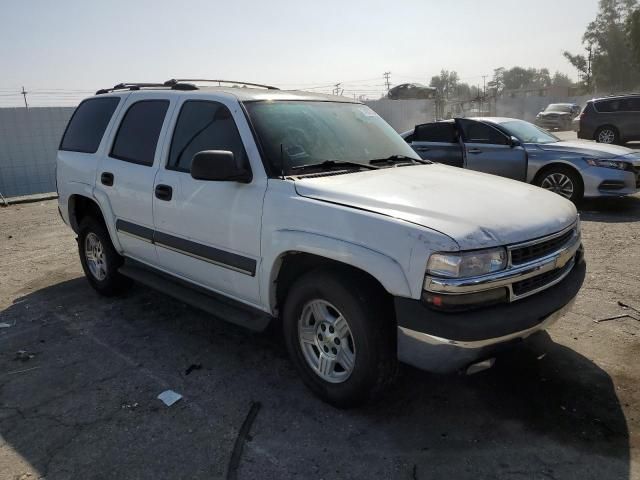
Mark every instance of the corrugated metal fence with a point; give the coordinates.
(29, 140)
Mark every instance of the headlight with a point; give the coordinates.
(601, 162)
(467, 264)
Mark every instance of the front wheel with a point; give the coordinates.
(607, 135)
(99, 258)
(564, 182)
(339, 338)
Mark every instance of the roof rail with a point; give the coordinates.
(176, 81)
(129, 86)
(177, 84)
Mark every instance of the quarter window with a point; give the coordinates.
(137, 137)
(87, 125)
(203, 125)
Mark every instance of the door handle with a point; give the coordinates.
(106, 178)
(164, 192)
(474, 150)
(422, 149)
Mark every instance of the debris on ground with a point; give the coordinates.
(192, 367)
(243, 434)
(22, 371)
(23, 356)
(169, 397)
(4, 325)
(625, 306)
(129, 406)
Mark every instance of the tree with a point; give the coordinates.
(606, 40)
(561, 80)
(633, 35)
(446, 83)
(518, 78)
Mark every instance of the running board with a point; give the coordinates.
(221, 307)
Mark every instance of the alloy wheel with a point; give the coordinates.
(326, 341)
(95, 256)
(606, 135)
(558, 183)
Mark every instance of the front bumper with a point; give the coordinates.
(608, 182)
(558, 122)
(445, 342)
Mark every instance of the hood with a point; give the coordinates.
(475, 209)
(589, 149)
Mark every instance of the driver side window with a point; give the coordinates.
(476, 132)
(203, 125)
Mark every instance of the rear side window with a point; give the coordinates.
(204, 125)
(87, 125)
(139, 130)
(476, 132)
(608, 106)
(435, 132)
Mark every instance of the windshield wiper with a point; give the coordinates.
(397, 159)
(327, 164)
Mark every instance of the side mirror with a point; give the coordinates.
(514, 142)
(218, 165)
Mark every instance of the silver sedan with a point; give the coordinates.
(517, 149)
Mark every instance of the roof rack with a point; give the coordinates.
(178, 81)
(178, 84)
(129, 86)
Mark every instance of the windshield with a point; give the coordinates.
(527, 132)
(312, 132)
(558, 107)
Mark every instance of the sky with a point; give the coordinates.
(63, 50)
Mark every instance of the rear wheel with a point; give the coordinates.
(99, 259)
(563, 181)
(339, 338)
(607, 135)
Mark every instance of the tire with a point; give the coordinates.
(369, 345)
(564, 181)
(101, 265)
(607, 134)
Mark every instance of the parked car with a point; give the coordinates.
(611, 119)
(522, 151)
(411, 91)
(557, 116)
(260, 205)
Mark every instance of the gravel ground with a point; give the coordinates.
(81, 402)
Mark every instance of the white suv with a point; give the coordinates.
(262, 205)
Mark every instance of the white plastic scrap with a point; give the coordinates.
(4, 325)
(169, 397)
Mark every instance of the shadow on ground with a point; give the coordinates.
(85, 405)
(611, 210)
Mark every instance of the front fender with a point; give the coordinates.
(382, 267)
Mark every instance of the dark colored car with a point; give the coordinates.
(411, 91)
(558, 116)
(611, 119)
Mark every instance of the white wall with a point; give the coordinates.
(29, 141)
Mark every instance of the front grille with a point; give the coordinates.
(538, 250)
(533, 283)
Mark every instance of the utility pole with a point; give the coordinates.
(484, 90)
(24, 94)
(590, 50)
(336, 90)
(387, 82)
